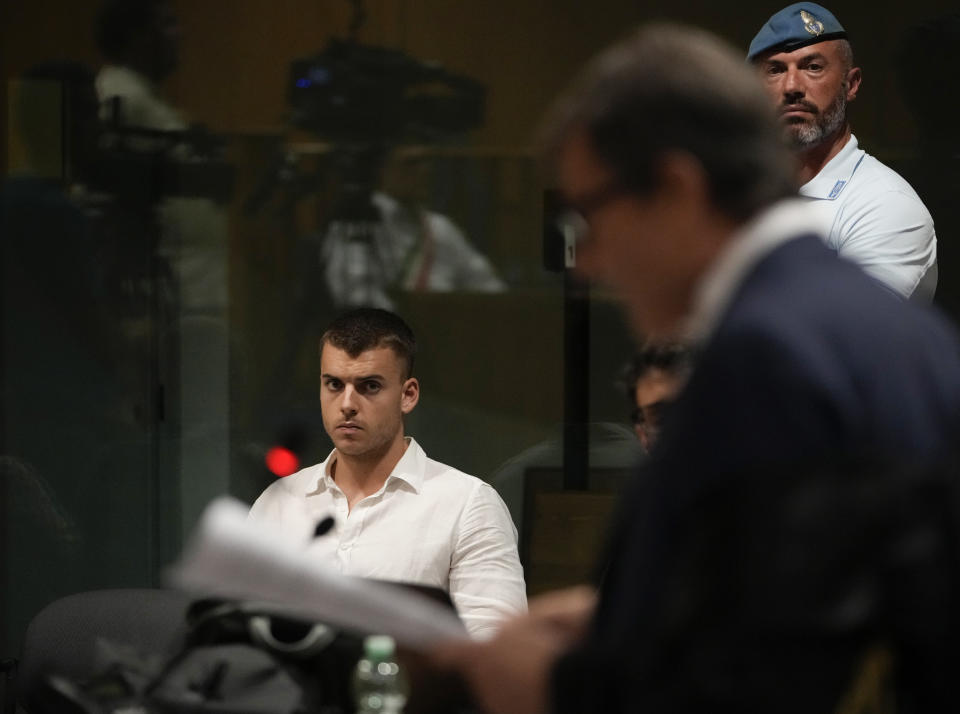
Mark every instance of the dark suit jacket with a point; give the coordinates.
(760, 552)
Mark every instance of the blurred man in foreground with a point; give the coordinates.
(741, 574)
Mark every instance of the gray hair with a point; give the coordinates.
(845, 50)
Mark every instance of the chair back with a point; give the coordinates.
(62, 638)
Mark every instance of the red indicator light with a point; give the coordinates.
(281, 462)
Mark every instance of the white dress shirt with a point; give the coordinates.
(413, 251)
(876, 220)
(429, 524)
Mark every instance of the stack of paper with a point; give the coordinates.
(231, 557)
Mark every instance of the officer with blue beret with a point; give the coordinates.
(871, 215)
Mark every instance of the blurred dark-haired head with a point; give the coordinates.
(140, 34)
(652, 381)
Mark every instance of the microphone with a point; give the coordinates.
(324, 526)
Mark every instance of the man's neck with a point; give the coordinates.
(362, 476)
(812, 160)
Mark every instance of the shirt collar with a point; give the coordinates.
(836, 174)
(410, 468)
(754, 241)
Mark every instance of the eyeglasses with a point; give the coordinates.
(573, 222)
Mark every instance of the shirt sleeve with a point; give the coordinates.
(890, 235)
(486, 578)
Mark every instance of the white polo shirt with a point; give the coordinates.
(429, 524)
(874, 218)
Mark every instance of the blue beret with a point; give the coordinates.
(797, 25)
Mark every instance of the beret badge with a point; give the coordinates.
(811, 24)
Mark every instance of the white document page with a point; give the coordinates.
(233, 558)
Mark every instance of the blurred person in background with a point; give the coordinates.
(653, 380)
(402, 245)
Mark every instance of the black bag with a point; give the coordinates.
(312, 660)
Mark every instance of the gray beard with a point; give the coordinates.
(806, 136)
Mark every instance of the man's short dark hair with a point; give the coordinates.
(118, 21)
(368, 328)
(671, 88)
(675, 358)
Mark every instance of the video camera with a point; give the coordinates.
(356, 93)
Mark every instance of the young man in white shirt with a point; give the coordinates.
(397, 515)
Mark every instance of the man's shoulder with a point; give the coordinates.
(803, 289)
(854, 177)
(813, 354)
(801, 264)
(876, 182)
(441, 478)
(115, 79)
(445, 230)
(437, 471)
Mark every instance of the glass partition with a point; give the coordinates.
(192, 192)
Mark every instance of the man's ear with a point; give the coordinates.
(854, 77)
(683, 177)
(410, 395)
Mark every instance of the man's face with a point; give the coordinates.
(363, 399)
(633, 244)
(653, 393)
(406, 176)
(810, 88)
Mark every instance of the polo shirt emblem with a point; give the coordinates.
(837, 188)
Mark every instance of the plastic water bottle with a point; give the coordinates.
(378, 684)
